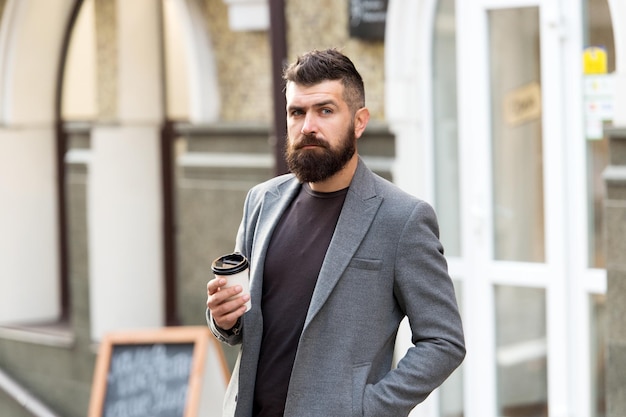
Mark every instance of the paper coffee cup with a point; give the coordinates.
(234, 268)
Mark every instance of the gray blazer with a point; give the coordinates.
(384, 262)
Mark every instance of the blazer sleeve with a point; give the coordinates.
(233, 336)
(425, 292)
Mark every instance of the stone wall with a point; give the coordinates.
(243, 58)
(324, 24)
(243, 67)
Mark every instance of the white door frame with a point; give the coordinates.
(476, 178)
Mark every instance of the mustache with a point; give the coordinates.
(310, 140)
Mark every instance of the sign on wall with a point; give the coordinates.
(599, 98)
(599, 92)
(367, 19)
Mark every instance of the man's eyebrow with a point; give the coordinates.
(294, 108)
(325, 103)
(314, 105)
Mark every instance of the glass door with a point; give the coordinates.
(511, 156)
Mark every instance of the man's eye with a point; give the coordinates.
(327, 111)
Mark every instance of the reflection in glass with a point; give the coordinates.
(598, 346)
(597, 161)
(598, 31)
(522, 379)
(515, 81)
(445, 127)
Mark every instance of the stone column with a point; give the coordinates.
(615, 215)
(125, 219)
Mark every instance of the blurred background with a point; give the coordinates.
(130, 132)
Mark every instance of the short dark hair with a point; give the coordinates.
(328, 65)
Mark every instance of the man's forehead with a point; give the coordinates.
(320, 91)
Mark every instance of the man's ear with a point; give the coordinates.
(361, 117)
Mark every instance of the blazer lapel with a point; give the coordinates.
(357, 214)
(274, 204)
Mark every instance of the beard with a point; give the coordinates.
(322, 162)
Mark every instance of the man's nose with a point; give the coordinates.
(309, 126)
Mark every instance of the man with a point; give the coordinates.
(338, 256)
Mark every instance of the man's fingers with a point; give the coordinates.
(222, 299)
(214, 285)
(226, 312)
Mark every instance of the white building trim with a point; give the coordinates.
(29, 221)
(199, 62)
(248, 14)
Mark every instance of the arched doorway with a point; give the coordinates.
(31, 258)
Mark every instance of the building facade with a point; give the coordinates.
(131, 131)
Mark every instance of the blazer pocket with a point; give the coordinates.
(359, 378)
(369, 264)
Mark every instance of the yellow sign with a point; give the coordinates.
(523, 104)
(594, 60)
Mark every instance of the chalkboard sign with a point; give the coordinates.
(172, 372)
(367, 19)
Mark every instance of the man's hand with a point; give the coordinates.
(225, 311)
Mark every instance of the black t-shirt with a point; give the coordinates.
(293, 261)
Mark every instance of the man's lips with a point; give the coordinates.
(310, 143)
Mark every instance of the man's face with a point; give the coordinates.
(321, 137)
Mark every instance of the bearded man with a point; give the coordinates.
(338, 258)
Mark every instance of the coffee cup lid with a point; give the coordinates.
(229, 264)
